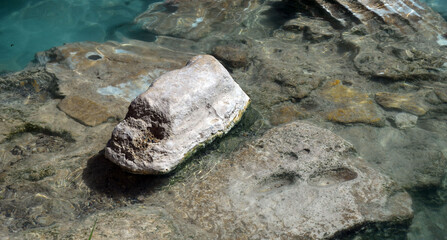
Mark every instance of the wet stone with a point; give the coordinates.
(83, 110)
(134, 222)
(404, 15)
(197, 19)
(251, 194)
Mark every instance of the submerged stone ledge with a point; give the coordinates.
(297, 181)
(183, 110)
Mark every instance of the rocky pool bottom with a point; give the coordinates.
(379, 86)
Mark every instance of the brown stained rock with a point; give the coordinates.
(232, 56)
(286, 113)
(350, 105)
(410, 103)
(84, 110)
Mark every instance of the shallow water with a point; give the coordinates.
(30, 26)
(438, 5)
(54, 175)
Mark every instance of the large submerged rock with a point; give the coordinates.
(180, 112)
(298, 181)
(98, 80)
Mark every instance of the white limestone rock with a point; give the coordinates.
(183, 110)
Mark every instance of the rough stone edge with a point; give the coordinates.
(206, 142)
(191, 152)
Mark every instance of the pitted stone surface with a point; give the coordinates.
(183, 110)
(298, 181)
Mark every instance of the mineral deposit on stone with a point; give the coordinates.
(183, 110)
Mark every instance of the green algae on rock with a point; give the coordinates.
(183, 110)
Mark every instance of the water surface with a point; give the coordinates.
(30, 26)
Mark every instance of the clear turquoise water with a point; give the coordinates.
(438, 5)
(30, 26)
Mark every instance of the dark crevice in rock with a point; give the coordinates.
(170, 6)
(131, 31)
(331, 177)
(52, 55)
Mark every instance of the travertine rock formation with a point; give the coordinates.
(183, 110)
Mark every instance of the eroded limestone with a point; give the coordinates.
(183, 110)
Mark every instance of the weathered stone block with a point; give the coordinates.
(183, 110)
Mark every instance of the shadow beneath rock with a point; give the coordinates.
(102, 176)
(105, 177)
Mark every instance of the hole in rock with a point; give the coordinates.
(158, 132)
(94, 57)
(331, 177)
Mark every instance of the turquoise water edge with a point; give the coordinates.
(31, 26)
